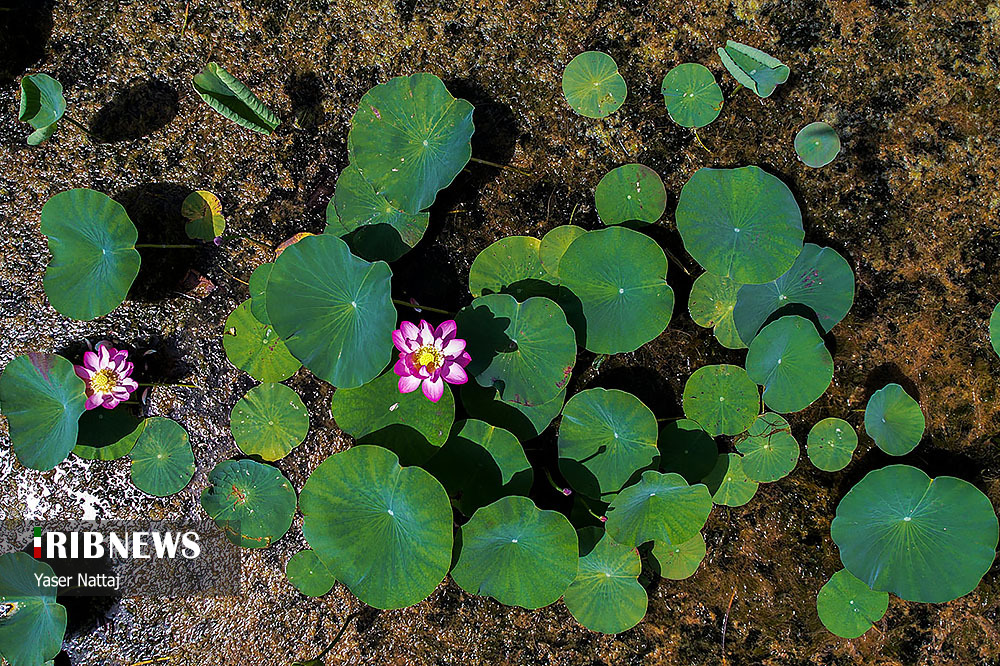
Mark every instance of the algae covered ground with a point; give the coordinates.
(911, 202)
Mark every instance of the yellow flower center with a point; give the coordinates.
(104, 381)
(428, 356)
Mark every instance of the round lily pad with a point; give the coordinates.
(605, 437)
(308, 574)
(630, 192)
(592, 85)
(722, 399)
(820, 279)
(269, 421)
(162, 460)
(42, 398)
(94, 260)
(626, 303)
(711, 305)
(203, 212)
(729, 484)
(525, 350)
(661, 507)
(372, 227)
(107, 434)
(687, 449)
(258, 291)
(409, 138)
(831, 444)
(791, 362)
(517, 553)
(740, 223)
(848, 607)
(554, 244)
(383, 530)
(692, 96)
(333, 310)
(817, 144)
(769, 450)
(42, 106)
(251, 502)
(525, 422)
(33, 624)
(506, 263)
(894, 420)
(606, 595)
(680, 561)
(255, 348)
(753, 68)
(233, 100)
(922, 539)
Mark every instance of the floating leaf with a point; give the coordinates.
(162, 460)
(711, 305)
(525, 422)
(680, 561)
(333, 310)
(722, 399)
(308, 574)
(831, 444)
(94, 260)
(33, 624)
(554, 244)
(606, 595)
(692, 96)
(630, 192)
(753, 68)
(203, 212)
(517, 553)
(592, 85)
(817, 144)
(922, 539)
(848, 607)
(383, 530)
(409, 138)
(269, 421)
(251, 502)
(995, 329)
(232, 99)
(255, 348)
(894, 420)
(791, 362)
(42, 106)
(626, 303)
(769, 450)
(107, 434)
(506, 264)
(661, 507)
(687, 449)
(258, 291)
(728, 482)
(42, 398)
(605, 437)
(740, 223)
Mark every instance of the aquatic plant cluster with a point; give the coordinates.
(438, 481)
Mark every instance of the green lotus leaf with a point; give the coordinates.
(251, 502)
(308, 574)
(383, 530)
(831, 444)
(680, 561)
(630, 192)
(525, 350)
(42, 106)
(729, 484)
(753, 68)
(233, 100)
(255, 348)
(769, 450)
(848, 607)
(894, 420)
(741, 223)
(409, 138)
(692, 96)
(506, 263)
(791, 362)
(373, 228)
(605, 438)
(258, 292)
(592, 85)
(685, 448)
(661, 507)
(525, 422)
(408, 424)
(269, 421)
(722, 399)
(995, 329)
(479, 464)
(626, 303)
(820, 279)
(162, 460)
(33, 624)
(517, 553)
(922, 539)
(42, 398)
(606, 595)
(107, 434)
(817, 144)
(554, 244)
(711, 305)
(94, 260)
(333, 310)
(203, 212)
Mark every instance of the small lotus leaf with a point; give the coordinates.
(505, 265)
(308, 574)
(525, 422)
(255, 348)
(632, 192)
(753, 68)
(831, 444)
(606, 595)
(894, 420)
(33, 624)
(203, 212)
(107, 434)
(42, 106)
(711, 305)
(661, 507)
(554, 244)
(728, 482)
(680, 561)
(232, 99)
(162, 460)
(687, 449)
(269, 421)
(722, 399)
(251, 502)
(791, 362)
(995, 329)
(692, 96)
(817, 144)
(848, 607)
(769, 450)
(592, 85)
(258, 292)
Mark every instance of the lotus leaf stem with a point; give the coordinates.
(422, 307)
(178, 385)
(160, 246)
(500, 166)
(563, 490)
(698, 139)
(670, 255)
(79, 126)
(573, 212)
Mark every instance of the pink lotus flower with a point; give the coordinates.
(429, 357)
(107, 373)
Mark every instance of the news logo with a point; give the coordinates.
(97, 545)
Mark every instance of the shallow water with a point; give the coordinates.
(911, 202)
